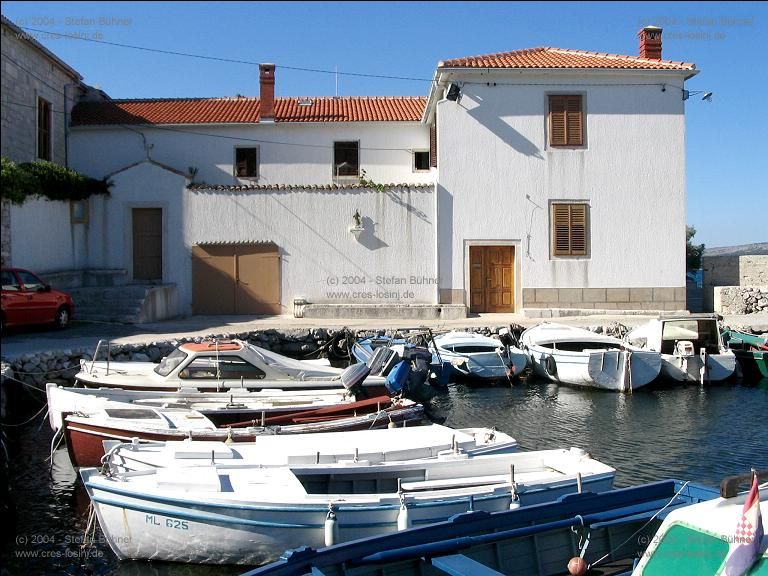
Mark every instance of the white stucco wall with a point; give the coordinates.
(497, 178)
(43, 239)
(290, 153)
(143, 186)
(391, 262)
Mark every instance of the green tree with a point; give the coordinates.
(693, 252)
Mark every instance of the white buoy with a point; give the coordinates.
(331, 528)
(403, 517)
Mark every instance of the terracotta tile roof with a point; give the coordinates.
(247, 110)
(559, 58)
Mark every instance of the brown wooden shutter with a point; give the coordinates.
(578, 229)
(569, 229)
(566, 121)
(573, 121)
(557, 121)
(433, 146)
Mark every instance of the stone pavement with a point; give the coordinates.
(83, 335)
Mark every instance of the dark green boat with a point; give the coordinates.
(751, 352)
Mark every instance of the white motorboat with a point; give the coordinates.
(476, 357)
(691, 347)
(220, 366)
(579, 357)
(223, 512)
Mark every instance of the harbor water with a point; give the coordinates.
(687, 432)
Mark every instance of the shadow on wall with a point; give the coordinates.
(368, 238)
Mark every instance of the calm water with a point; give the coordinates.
(686, 432)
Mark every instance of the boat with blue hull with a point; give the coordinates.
(538, 540)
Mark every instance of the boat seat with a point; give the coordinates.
(460, 565)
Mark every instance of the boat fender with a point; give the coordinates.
(550, 365)
(403, 517)
(577, 566)
(331, 527)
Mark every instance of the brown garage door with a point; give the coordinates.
(235, 279)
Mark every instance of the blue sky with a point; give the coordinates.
(726, 144)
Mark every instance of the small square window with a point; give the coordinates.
(421, 160)
(246, 162)
(566, 120)
(570, 229)
(346, 159)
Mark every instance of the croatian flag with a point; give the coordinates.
(745, 547)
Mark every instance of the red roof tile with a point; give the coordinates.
(247, 110)
(560, 58)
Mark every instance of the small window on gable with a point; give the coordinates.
(346, 159)
(43, 129)
(566, 120)
(246, 162)
(421, 160)
(570, 232)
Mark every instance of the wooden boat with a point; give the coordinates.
(478, 358)
(221, 408)
(368, 446)
(85, 432)
(691, 347)
(536, 540)
(698, 539)
(221, 366)
(579, 357)
(225, 513)
(751, 352)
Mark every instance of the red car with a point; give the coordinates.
(26, 299)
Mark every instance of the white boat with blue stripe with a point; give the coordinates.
(229, 513)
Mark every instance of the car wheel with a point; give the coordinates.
(62, 317)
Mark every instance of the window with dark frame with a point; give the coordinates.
(43, 129)
(421, 160)
(247, 162)
(570, 233)
(566, 120)
(346, 158)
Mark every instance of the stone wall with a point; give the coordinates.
(741, 299)
(732, 271)
(600, 300)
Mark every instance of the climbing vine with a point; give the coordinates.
(370, 183)
(48, 180)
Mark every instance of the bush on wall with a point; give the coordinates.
(48, 180)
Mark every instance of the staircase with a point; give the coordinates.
(127, 304)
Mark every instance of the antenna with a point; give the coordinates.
(337, 80)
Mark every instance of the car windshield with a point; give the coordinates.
(9, 281)
(170, 362)
(30, 281)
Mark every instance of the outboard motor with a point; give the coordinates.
(398, 377)
(684, 348)
(415, 353)
(382, 361)
(352, 379)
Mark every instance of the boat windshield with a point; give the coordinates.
(683, 550)
(170, 362)
(702, 333)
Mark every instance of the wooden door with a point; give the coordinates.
(147, 226)
(236, 279)
(492, 279)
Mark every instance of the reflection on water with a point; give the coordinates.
(687, 432)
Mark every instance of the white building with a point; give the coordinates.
(526, 181)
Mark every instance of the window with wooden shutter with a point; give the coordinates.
(433, 146)
(43, 129)
(569, 229)
(566, 120)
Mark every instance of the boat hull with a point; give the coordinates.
(178, 528)
(615, 370)
(689, 368)
(85, 439)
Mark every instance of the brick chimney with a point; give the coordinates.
(267, 92)
(650, 42)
